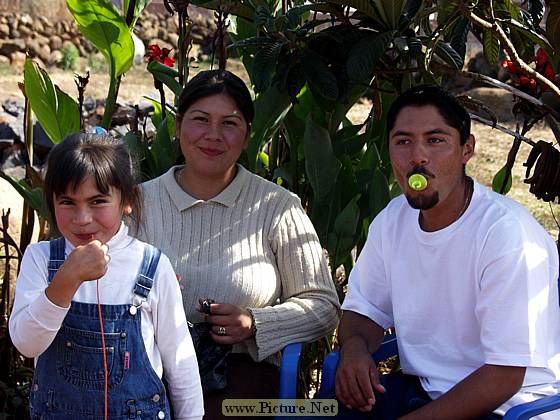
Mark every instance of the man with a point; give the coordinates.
(466, 276)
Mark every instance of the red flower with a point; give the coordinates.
(510, 66)
(541, 58)
(160, 54)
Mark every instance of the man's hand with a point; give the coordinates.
(357, 376)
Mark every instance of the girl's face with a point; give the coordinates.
(86, 214)
(212, 133)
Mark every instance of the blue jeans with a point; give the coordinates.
(404, 394)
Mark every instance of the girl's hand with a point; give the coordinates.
(231, 324)
(88, 262)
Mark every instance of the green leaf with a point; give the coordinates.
(321, 165)
(346, 222)
(264, 64)
(101, 23)
(366, 53)
(33, 196)
(379, 193)
(553, 23)
(491, 47)
(364, 6)
(499, 179)
(166, 75)
(57, 112)
(320, 78)
(164, 150)
(270, 108)
(139, 6)
(448, 54)
(393, 10)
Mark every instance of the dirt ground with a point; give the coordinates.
(491, 148)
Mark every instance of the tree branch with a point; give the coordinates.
(508, 46)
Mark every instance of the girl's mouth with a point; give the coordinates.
(85, 236)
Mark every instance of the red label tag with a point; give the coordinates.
(126, 360)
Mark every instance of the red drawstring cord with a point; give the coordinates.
(105, 373)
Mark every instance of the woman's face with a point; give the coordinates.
(212, 135)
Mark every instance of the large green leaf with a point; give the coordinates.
(364, 6)
(448, 54)
(164, 149)
(321, 165)
(264, 64)
(553, 23)
(319, 76)
(57, 112)
(392, 10)
(379, 193)
(101, 23)
(491, 47)
(139, 6)
(33, 196)
(270, 108)
(366, 53)
(166, 75)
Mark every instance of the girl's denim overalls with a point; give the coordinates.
(69, 378)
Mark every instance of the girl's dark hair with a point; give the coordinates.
(106, 159)
(447, 105)
(214, 82)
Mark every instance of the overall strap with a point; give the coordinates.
(56, 257)
(145, 278)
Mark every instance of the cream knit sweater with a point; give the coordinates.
(252, 245)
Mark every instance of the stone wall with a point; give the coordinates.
(44, 38)
(54, 10)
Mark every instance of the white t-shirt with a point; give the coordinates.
(483, 290)
(35, 320)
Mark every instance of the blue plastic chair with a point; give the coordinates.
(389, 347)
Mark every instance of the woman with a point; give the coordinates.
(238, 239)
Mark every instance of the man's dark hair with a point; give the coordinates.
(454, 114)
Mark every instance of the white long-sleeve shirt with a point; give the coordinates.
(35, 320)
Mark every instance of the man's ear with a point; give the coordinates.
(468, 148)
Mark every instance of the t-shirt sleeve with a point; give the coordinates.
(369, 293)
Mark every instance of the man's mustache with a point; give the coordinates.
(420, 170)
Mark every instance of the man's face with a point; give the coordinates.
(422, 142)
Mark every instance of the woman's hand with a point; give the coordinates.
(231, 324)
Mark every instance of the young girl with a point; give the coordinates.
(89, 185)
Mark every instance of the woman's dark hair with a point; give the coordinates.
(214, 82)
(101, 156)
(447, 105)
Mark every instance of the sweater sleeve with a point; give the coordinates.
(309, 307)
(176, 347)
(35, 320)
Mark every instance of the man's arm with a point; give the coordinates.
(477, 395)
(357, 376)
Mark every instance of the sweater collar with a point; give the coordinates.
(183, 200)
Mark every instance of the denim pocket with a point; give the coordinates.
(80, 357)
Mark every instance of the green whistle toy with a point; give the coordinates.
(417, 182)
